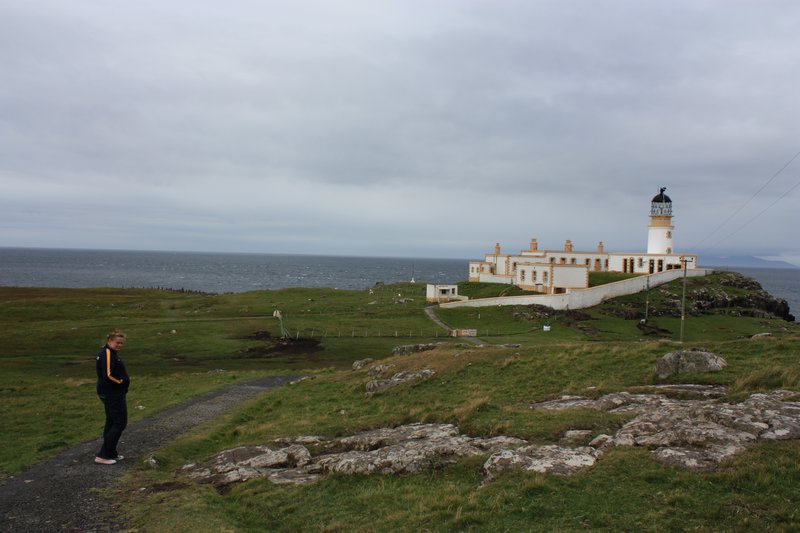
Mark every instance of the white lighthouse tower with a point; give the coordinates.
(659, 234)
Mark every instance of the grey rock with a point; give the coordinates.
(377, 370)
(407, 349)
(565, 402)
(695, 459)
(380, 385)
(304, 378)
(294, 476)
(361, 363)
(548, 459)
(376, 438)
(685, 389)
(494, 444)
(405, 449)
(247, 462)
(577, 434)
(696, 434)
(693, 360)
(602, 441)
(306, 440)
(407, 457)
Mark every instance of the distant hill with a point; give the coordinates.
(747, 261)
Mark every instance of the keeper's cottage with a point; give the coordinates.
(558, 271)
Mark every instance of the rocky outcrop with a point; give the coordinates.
(407, 349)
(548, 459)
(739, 281)
(684, 390)
(575, 435)
(249, 462)
(361, 363)
(380, 385)
(695, 433)
(377, 370)
(405, 449)
(756, 302)
(733, 294)
(693, 360)
(535, 312)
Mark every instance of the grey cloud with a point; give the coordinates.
(488, 120)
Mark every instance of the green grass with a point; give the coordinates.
(618, 319)
(508, 324)
(49, 338)
(43, 415)
(475, 290)
(47, 402)
(625, 492)
(601, 278)
(488, 391)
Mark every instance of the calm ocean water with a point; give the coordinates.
(219, 272)
(214, 272)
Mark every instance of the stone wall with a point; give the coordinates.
(583, 298)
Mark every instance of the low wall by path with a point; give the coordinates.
(582, 298)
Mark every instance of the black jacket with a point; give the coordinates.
(112, 378)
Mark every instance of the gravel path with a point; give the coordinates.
(439, 322)
(65, 493)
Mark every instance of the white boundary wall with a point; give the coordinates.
(582, 298)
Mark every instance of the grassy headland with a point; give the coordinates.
(179, 345)
(49, 338)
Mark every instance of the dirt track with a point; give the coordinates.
(65, 493)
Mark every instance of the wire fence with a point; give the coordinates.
(358, 332)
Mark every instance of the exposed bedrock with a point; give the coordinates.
(693, 433)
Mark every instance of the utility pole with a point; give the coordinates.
(684, 260)
(647, 300)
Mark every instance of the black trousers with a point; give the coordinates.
(116, 407)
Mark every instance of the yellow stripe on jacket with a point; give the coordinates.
(108, 368)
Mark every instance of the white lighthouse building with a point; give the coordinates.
(561, 271)
(659, 234)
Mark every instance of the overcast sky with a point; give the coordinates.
(398, 128)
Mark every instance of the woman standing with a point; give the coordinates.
(112, 386)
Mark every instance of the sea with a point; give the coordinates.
(242, 272)
(214, 272)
